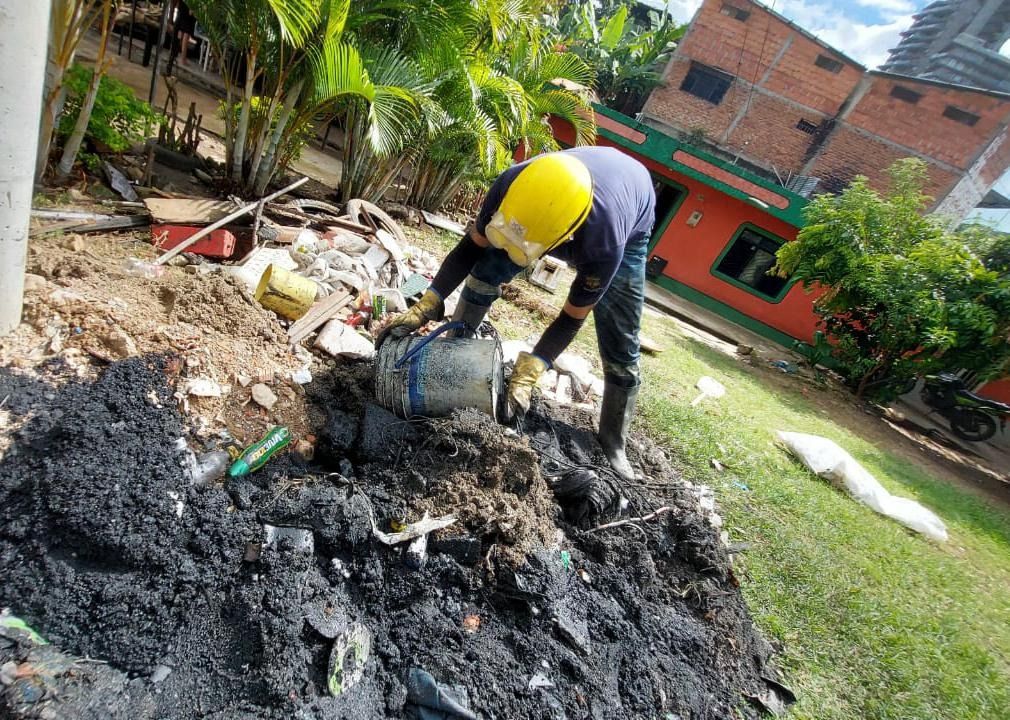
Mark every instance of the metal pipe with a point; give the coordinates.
(24, 29)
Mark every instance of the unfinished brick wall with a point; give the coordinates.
(796, 106)
(777, 83)
(849, 152)
(922, 126)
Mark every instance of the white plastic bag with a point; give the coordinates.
(826, 459)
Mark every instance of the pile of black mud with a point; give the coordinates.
(110, 554)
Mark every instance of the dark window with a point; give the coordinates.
(735, 12)
(829, 64)
(707, 83)
(806, 126)
(962, 116)
(748, 260)
(907, 94)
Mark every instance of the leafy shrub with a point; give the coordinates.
(901, 295)
(119, 118)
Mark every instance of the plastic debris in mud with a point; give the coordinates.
(300, 538)
(433, 701)
(256, 455)
(14, 628)
(350, 652)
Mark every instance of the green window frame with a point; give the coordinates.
(662, 223)
(746, 233)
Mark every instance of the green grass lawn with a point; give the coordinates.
(873, 621)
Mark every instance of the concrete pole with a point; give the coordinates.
(24, 30)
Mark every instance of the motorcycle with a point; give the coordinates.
(971, 417)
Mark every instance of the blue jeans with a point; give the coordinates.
(618, 313)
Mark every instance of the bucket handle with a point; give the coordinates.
(454, 325)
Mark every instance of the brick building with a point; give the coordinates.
(756, 89)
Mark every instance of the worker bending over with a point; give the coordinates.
(592, 207)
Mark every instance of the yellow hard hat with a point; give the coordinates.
(547, 201)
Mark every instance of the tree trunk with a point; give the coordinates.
(268, 165)
(73, 145)
(238, 161)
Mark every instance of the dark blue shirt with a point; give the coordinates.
(624, 209)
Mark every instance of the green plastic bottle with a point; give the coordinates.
(256, 455)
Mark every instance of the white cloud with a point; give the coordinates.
(867, 43)
(888, 7)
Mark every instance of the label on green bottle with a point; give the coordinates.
(256, 455)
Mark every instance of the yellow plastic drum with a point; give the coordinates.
(287, 294)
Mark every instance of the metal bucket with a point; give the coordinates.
(432, 376)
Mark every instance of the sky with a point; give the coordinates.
(862, 29)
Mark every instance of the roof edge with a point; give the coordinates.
(940, 83)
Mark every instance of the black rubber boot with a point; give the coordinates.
(472, 315)
(615, 420)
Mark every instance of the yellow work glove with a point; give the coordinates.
(429, 307)
(525, 376)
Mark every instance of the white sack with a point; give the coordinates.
(826, 459)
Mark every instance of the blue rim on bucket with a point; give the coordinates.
(454, 325)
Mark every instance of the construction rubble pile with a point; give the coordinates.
(204, 512)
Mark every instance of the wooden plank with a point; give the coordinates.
(317, 315)
(188, 212)
(347, 224)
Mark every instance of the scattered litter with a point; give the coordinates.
(135, 267)
(263, 396)
(434, 701)
(160, 674)
(286, 293)
(710, 388)
(339, 340)
(301, 376)
(716, 465)
(742, 349)
(826, 459)
(585, 577)
(253, 267)
(318, 314)
(471, 623)
(208, 467)
(200, 387)
(785, 366)
(413, 530)
(13, 628)
(776, 698)
(119, 182)
(443, 223)
(301, 539)
(256, 455)
(539, 681)
(417, 551)
(350, 652)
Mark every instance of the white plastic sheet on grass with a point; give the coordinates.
(829, 461)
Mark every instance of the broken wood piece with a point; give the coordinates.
(347, 224)
(162, 259)
(186, 211)
(69, 215)
(318, 314)
(113, 223)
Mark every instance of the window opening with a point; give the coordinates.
(747, 261)
(707, 83)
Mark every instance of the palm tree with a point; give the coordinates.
(298, 64)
